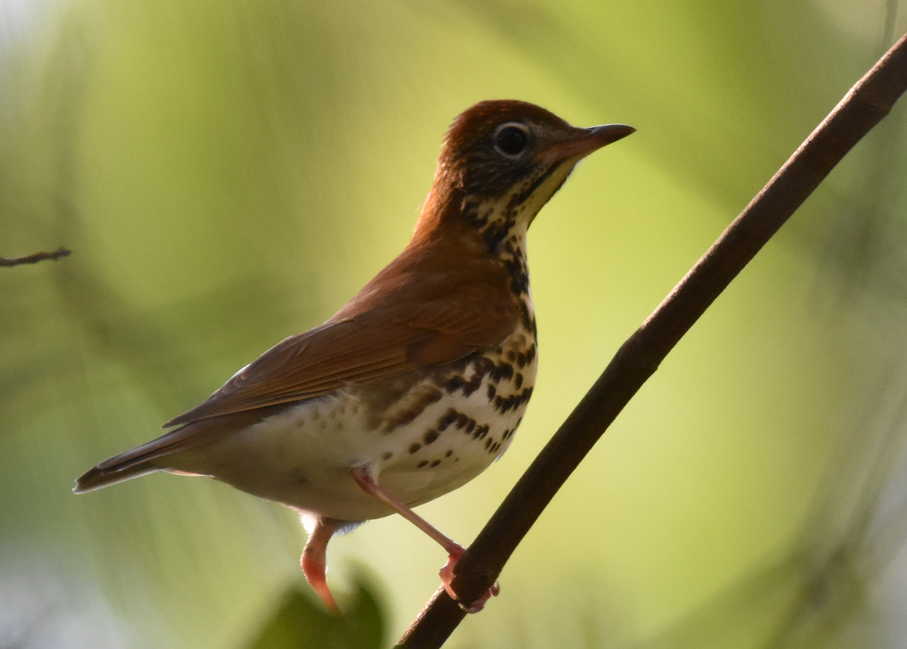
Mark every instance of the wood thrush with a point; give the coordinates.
(417, 384)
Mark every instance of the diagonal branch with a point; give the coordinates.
(638, 358)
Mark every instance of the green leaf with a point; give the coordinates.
(299, 622)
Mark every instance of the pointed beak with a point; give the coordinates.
(606, 134)
(589, 140)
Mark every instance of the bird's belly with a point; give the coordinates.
(299, 457)
(420, 440)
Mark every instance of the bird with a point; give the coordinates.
(419, 382)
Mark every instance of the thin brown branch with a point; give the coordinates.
(638, 358)
(35, 258)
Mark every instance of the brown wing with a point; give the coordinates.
(400, 321)
(406, 322)
(436, 303)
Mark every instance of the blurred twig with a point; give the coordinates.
(35, 258)
(638, 358)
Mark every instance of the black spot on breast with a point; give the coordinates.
(387, 455)
(423, 463)
(502, 371)
(505, 404)
(519, 276)
(484, 365)
(527, 318)
(414, 448)
(447, 419)
(435, 463)
(425, 398)
(430, 436)
(454, 383)
(472, 385)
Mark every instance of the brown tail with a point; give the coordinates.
(97, 478)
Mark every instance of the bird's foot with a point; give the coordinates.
(454, 550)
(447, 574)
(314, 565)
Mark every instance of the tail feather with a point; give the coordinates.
(153, 456)
(98, 478)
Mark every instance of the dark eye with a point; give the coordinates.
(511, 139)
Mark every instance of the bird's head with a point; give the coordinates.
(501, 162)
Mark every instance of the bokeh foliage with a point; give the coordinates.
(299, 622)
(229, 173)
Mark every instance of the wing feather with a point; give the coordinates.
(440, 319)
(438, 302)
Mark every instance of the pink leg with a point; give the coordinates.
(454, 550)
(313, 558)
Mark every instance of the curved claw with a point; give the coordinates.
(447, 573)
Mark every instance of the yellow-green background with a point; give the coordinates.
(228, 173)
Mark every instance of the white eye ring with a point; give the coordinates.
(511, 139)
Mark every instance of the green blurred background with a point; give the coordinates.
(229, 173)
